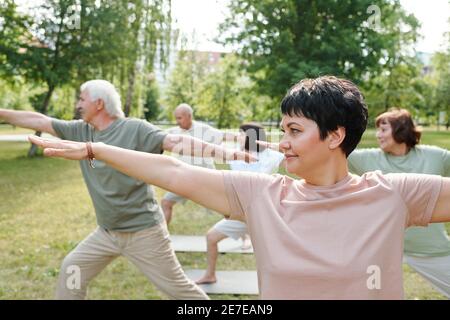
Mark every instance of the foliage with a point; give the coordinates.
(287, 40)
(191, 68)
(152, 107)
(66, 42)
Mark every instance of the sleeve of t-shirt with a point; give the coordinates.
(151, 138)
(419, 193)
(68, 130)
(356, 162)
(242, 189)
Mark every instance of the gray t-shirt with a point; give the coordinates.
(121, 203)
(431, 241)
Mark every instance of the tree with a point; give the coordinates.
(13, 28)
(46, 52)
(65, 41)
(400, 86)
(151, 105)
(287, 40)
(218, 95)
(440, 79)
(221, 92)
(148, 42)
(191, 68)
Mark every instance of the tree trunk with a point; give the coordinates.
(76, 114)
(130, 91)
(33, 149)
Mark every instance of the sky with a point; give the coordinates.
(201, 16)
(204, 16)
(433, 15)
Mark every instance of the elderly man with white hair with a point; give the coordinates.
(130, 221)
(187, 126)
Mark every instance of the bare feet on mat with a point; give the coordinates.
(246, 243)
(206, 280)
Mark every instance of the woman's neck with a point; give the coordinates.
(331, 172)
(399, 149)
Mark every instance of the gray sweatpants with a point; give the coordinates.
(435, 270)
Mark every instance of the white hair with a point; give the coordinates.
(104, 90)
(185, 108)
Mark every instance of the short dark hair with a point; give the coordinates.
(403, 128)
(331, 102)
(253, 131)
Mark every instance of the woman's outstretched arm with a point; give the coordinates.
(204, 186)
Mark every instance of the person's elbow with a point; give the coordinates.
(45, 125)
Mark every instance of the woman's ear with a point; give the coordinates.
(336, 137)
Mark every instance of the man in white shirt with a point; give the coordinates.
(188, 126)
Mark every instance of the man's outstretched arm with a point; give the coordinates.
(187, 145)
(204, 186)
(28, 119)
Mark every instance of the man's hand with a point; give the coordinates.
(61, 148)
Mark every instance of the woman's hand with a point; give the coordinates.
(269, 145)
(61, 148)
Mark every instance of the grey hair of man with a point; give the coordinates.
(105, 90)
(184, 107)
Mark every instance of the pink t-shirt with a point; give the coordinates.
(338, 242)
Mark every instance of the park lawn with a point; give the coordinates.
(45, 210)
(8, 129)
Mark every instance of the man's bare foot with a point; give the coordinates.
(206, 280)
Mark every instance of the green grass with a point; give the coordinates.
(45, 210)
(8, 129)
